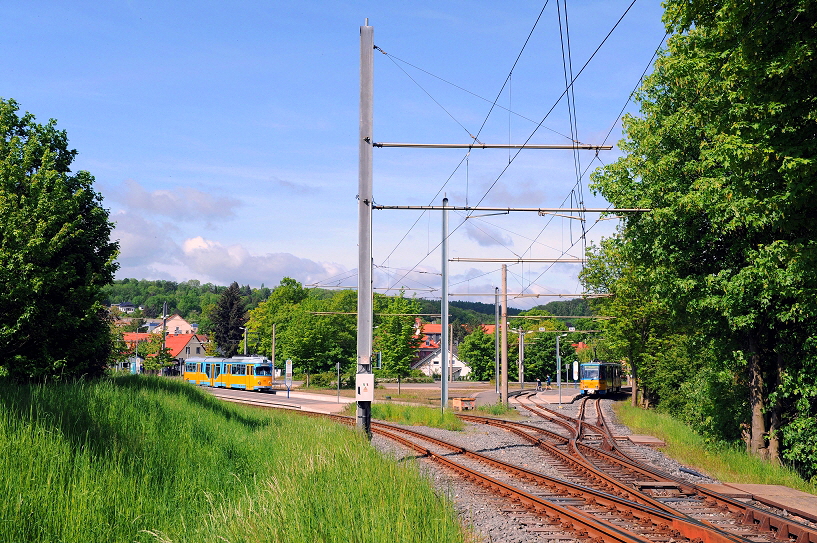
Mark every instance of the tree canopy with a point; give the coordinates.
(228, 320)
(55, 255)
(724, 154)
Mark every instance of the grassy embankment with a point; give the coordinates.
(412, 415)
(144, 459)
(419, 415)
(721, 461)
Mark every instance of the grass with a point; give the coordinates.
(498, 410)
(722, 461)
(141, 459)
(412, 415)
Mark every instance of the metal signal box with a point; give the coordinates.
(364, 386)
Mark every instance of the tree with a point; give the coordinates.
(478, 351)
(724, 155)
(314, 342)
(396, 336)
(156, 356)
(228, 320)
(55, 255)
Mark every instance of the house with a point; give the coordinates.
(179, 346)
(183, 346)
(176, 325)
(431, 334)
(430, 365)
(125, 307)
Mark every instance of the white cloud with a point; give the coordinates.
(296, 188)
(235, 263)
(141, 240)
(180, 203)
(487, 236)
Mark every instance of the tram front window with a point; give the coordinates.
(263, 370)
(591, 373)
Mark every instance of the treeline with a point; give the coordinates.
(191, 299)
(714, 285)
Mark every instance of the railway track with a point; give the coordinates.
(599, 448)
(601, 491)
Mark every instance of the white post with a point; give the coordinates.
(364, 195)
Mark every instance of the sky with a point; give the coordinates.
(223, 136)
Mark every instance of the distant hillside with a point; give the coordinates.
(577, 307)
(465, 312)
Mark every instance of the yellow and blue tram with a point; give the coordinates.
(242, 372)
(600, 377)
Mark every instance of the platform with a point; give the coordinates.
(794, 501)
(648, 441)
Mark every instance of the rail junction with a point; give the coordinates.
(597, 487)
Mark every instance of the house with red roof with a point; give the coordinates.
(180, 346)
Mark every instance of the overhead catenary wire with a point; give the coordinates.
(539, 125)
(475, 138)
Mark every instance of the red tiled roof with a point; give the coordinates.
(431, 328)
(132, 337)
(177, 342)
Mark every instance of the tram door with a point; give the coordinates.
(217, 377)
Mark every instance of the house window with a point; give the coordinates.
(198, 350)
(187, 350)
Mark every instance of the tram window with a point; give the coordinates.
(602, 373)
(590, 373)
(249, 370)
(263, 370)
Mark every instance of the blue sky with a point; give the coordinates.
(223, 136)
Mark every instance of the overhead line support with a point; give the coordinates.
(579, 146)
(540, 210)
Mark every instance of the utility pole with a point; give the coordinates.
(444, 310)
(164, 334)
(521, 358)
(504, 343)
(273, 352)
(496, 338)
(364, 380)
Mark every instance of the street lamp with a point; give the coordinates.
(245, 339)
(522, 355)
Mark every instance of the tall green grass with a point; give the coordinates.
(147, 459)
(723, 461)
(498, 410)
(413, 415)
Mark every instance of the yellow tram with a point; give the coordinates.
(600, 377)
(241, 372)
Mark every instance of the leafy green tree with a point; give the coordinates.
(478, 351)
(55, 255)
(228, 319)
(311, 329)
(724, 155)
(156, 356)
(396, 336)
